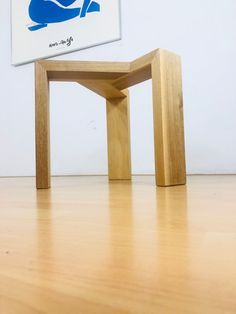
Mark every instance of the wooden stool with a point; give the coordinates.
(111, 80)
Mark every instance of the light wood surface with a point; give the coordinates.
(75, 70)
(42, 127)
(102, 88)
(118, 138)
(168, 119)
(111, 80)
(90, 247)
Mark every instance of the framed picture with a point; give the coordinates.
(46, 28)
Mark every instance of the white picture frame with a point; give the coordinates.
(46, 28)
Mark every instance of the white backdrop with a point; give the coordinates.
(202, 32)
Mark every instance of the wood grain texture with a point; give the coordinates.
(102, 88)
(109, 80)
(140, 71)
(75, 70)
(118, 136)
(168, 119)
(86, 246)
(42, 128)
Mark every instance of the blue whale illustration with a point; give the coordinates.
(44, 12)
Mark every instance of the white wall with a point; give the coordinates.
(203, 32)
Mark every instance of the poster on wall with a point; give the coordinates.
(46, 28)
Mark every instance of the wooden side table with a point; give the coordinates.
(111, 80)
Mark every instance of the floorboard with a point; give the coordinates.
(87, 246)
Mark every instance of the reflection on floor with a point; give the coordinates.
(92, 247)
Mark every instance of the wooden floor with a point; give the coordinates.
(89, 247)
